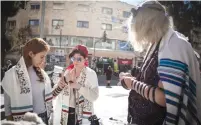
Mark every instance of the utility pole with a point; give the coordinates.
(58, 27)
(60, 36)
(42, 20)
(103, 39)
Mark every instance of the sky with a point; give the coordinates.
(132, 2)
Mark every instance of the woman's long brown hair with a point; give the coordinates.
(36, 45)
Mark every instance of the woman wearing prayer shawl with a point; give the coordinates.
(27, 87)
(76, 91)
(168, 88)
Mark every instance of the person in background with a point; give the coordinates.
(167, 89)
(125, 69)
(27, 87)
(76, 91)
(108, 74)
(116, 69)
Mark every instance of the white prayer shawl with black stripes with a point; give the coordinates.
(179, 72)
(17, 85)
(84, 108)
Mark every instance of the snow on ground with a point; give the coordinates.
(112, 102)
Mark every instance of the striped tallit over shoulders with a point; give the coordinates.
(179, 72)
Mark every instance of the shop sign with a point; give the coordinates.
(125, 61)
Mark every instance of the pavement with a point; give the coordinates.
(102, 80)
(112, 104)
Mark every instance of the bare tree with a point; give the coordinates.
(18, 37)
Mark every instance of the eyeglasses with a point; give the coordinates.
(78, 59)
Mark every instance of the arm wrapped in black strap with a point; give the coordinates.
(153, 94)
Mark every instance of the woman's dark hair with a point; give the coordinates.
(36, 45)
(77, 51)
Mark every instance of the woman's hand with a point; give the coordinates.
(128, 81)
(72, 79)
(122, 75)
(62, 82)
(75, 85)
(71, 75)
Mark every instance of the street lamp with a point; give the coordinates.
(103, 39)
(104, 36)
(59, 27)
(101, 59)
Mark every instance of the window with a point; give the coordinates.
(110, 44)
(106, 26)
(55, 40)
(126, 14)
(125, 46)
(58, 5)
(35, 6)
(106, 10)
(56, 22)
(82, 7)
(34, 22)
(116, 20)
(125, 29)
(11, 24)
(83, 24)
(87, 41)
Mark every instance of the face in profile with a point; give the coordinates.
(43, 65)
(38, 59)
